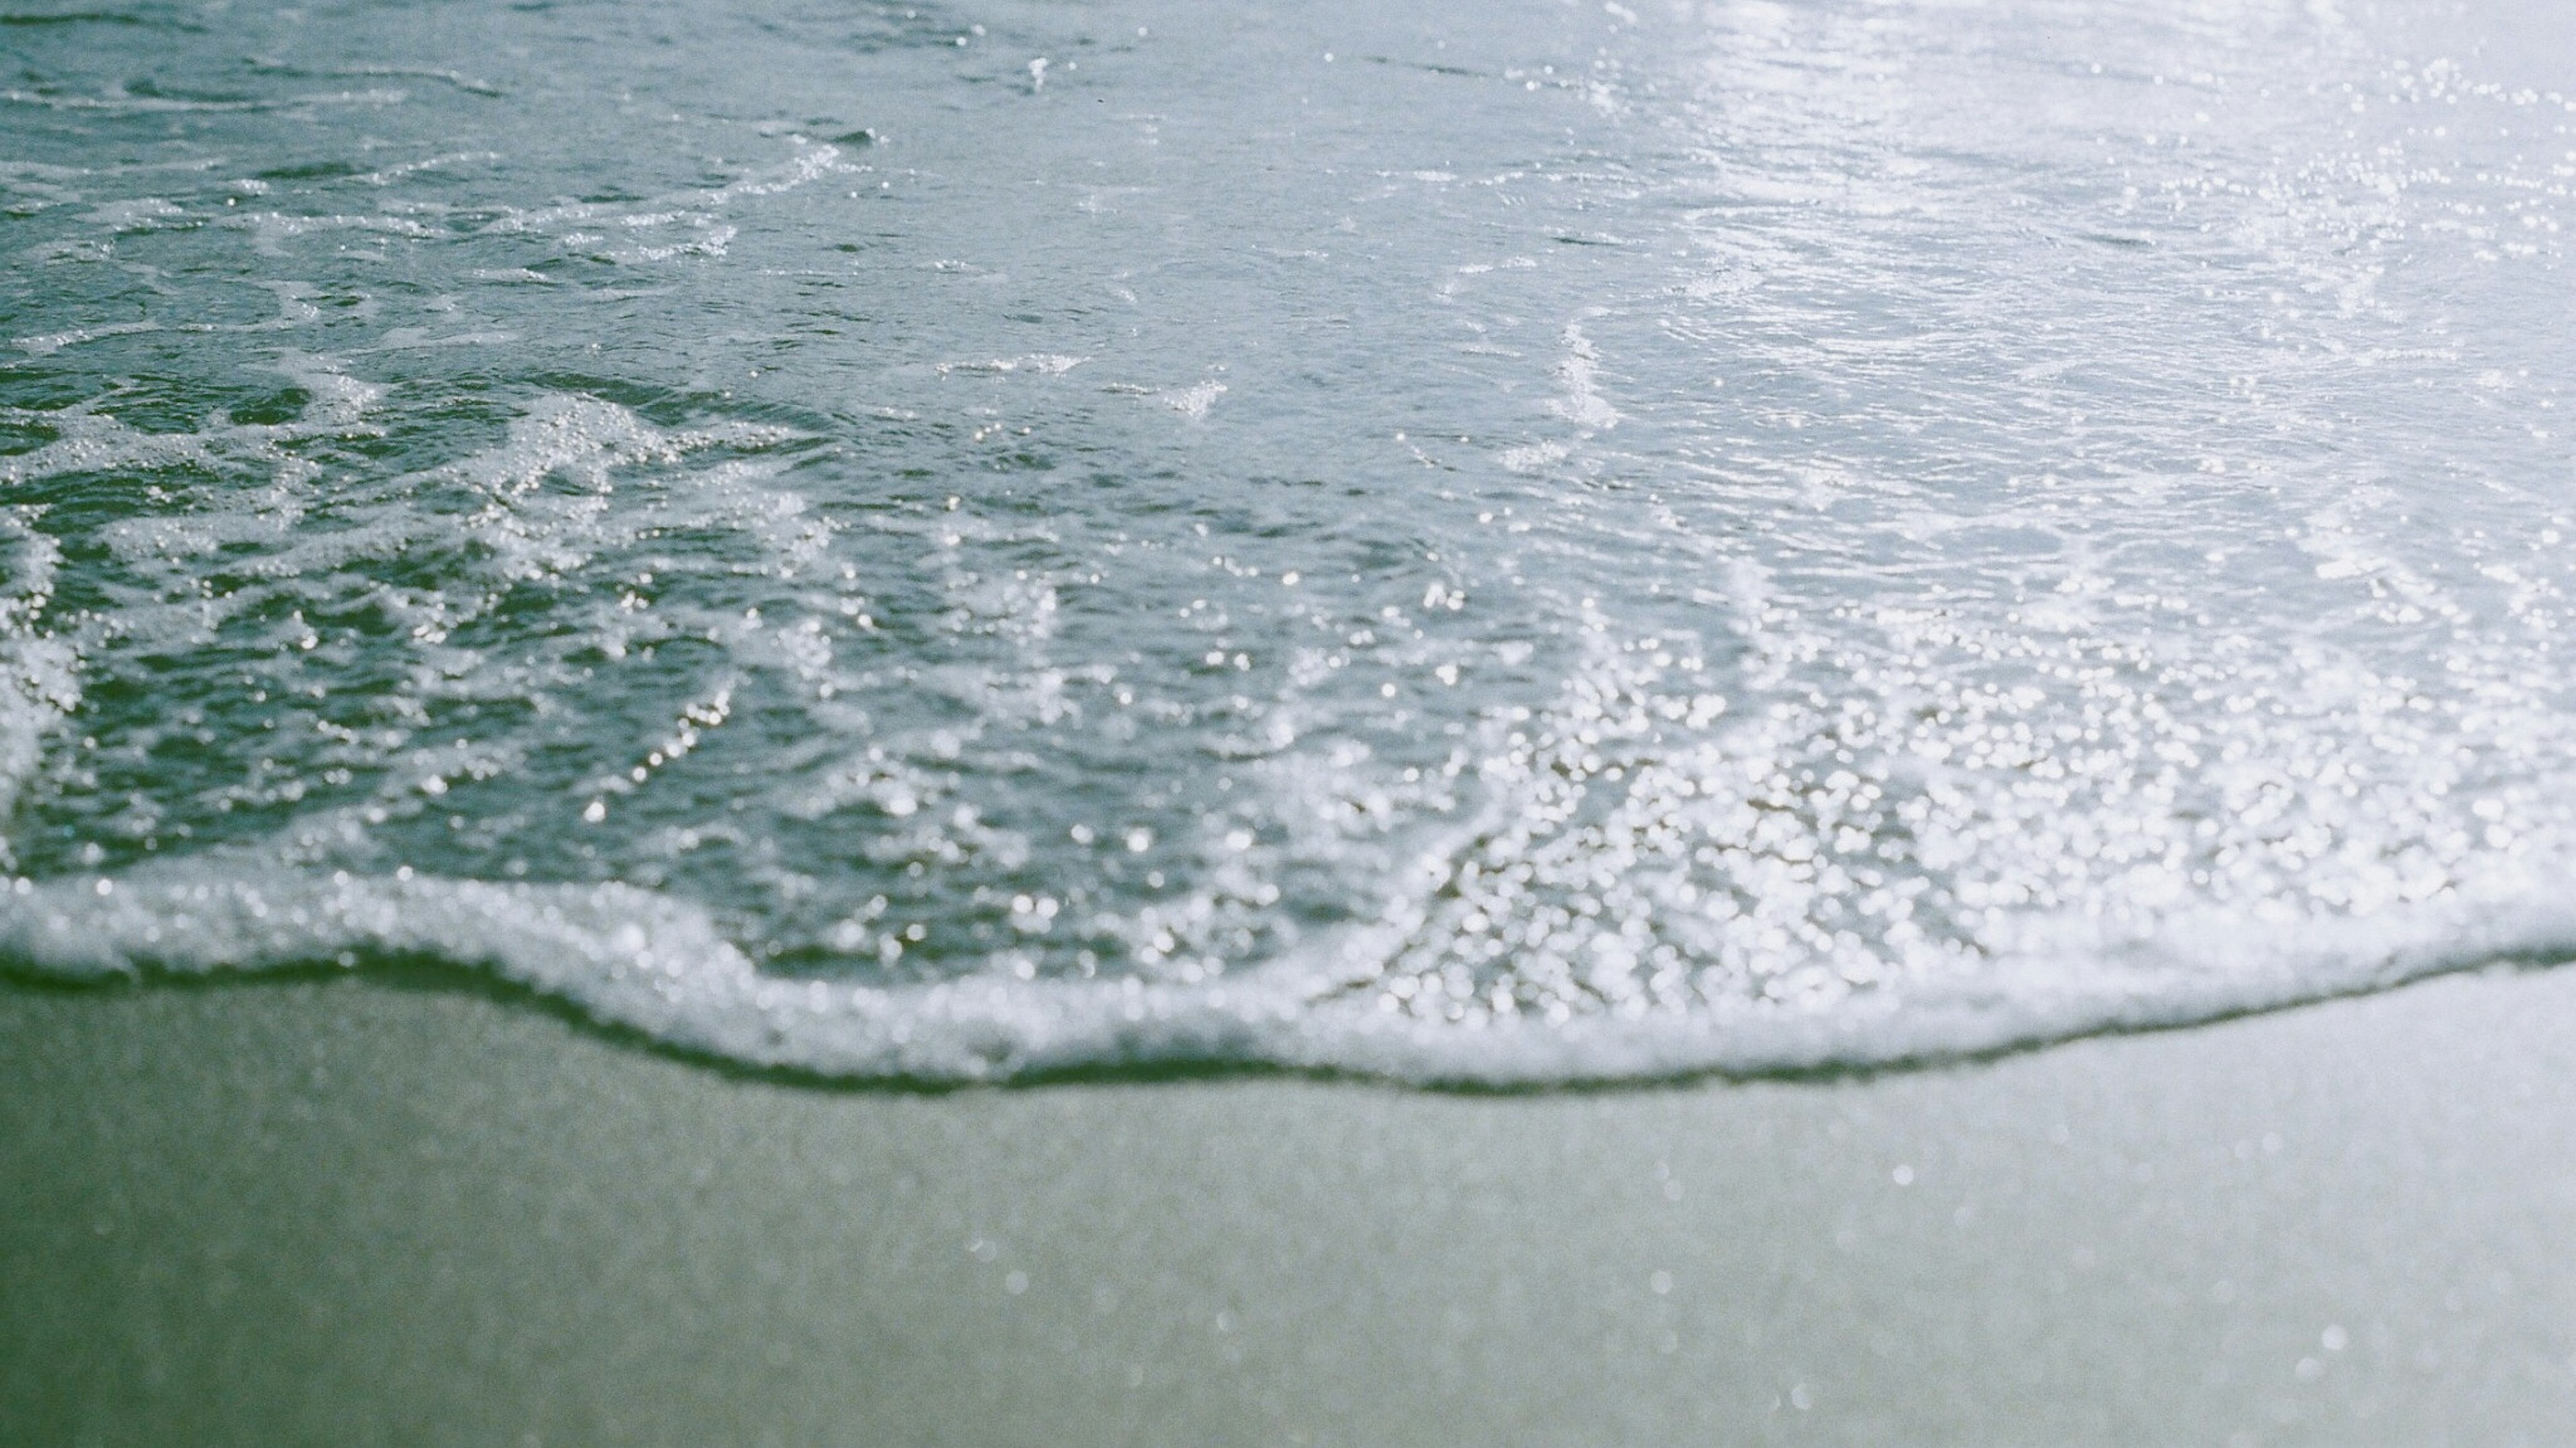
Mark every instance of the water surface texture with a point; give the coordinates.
(1516, 542)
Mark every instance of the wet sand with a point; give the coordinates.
(342, 1211)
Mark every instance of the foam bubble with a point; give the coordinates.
(38, 682)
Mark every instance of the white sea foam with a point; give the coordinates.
(38, 682)
(640, 961)
(1736, 538)
(53, 342)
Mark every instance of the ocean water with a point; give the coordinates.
(1529, 541)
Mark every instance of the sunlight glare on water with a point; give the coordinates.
(1534, 542)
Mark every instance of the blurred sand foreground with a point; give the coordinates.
(350, 1212)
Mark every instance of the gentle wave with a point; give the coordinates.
(1574, 546)
(632, 959)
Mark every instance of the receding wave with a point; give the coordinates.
(2013, 521)
(631, 959)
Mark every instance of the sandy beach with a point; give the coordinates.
(560, 560)
(344, 1211)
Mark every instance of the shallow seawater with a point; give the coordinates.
(1528, 541)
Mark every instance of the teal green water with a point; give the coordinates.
(1533, 543)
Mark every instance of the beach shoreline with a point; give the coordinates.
(354, 1210)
